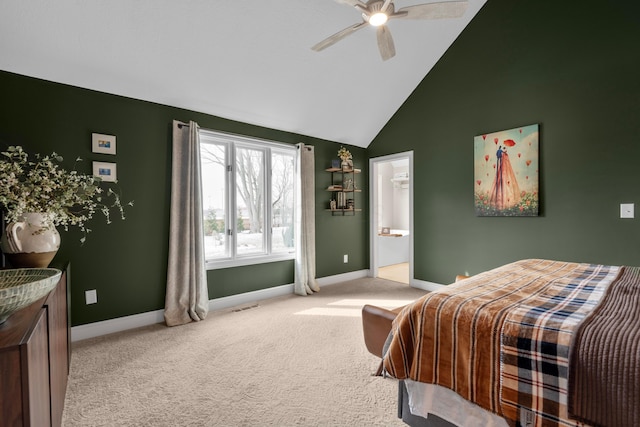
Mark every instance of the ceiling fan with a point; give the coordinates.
(377, 12)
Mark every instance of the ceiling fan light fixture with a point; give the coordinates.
(377, 12)
(378, 18)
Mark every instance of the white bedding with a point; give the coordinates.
(427, 399)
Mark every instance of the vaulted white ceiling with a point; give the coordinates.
(238, 59)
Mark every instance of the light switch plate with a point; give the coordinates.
(626, 210)
(91, 296)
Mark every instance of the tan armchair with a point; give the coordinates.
(376, 325)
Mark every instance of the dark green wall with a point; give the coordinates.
(126, 261)
(572, 68)
(348, 234)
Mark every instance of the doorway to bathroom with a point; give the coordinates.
(391, 198)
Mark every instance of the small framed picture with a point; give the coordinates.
(106, 171)
(105, 144)
(335, 163)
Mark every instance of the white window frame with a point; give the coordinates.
(232, 142)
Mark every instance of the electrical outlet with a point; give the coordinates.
(346, 258)
(91, 296)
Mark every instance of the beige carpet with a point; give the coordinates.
(290, 361)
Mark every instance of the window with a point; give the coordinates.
(248, 189)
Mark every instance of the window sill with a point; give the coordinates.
(248, 260)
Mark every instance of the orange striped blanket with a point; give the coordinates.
(501, 338)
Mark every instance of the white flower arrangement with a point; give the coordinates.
(66, 198)
(344, 154)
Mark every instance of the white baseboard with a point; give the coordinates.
(425, 285)
(110, 326)
(249, 297)
(344, 277)
(105, 327)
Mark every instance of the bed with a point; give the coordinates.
(532, 343)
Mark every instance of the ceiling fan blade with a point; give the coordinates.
(385, 43)
(329, 41)
(385, 5)
(440, 10)
(354, 3)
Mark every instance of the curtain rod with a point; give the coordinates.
(308, 147)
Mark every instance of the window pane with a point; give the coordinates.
(214, 199)
(254, 198)
(250, 201)
(282, 203)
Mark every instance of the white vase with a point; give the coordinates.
(27, 244)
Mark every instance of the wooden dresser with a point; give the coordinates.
(34, 361)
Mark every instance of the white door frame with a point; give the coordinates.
(373, 214)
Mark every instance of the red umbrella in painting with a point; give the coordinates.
(509, 142)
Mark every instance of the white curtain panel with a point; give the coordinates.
(305, 231)
(187, 297)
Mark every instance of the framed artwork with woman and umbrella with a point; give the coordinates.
(506, 172)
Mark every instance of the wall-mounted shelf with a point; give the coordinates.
(343, 187)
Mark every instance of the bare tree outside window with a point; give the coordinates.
(250, 191)
(282, 201)
(241, 230)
